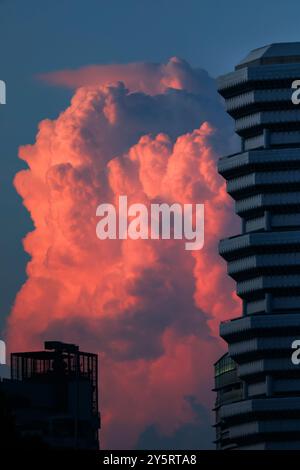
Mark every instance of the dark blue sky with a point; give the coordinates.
(39, 36)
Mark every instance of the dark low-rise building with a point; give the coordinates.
(51, 399)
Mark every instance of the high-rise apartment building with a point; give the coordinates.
(257, 384)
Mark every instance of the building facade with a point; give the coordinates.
(258, 393)
(52, 398)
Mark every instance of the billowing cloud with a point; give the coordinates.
(150, 78)
(148, 307)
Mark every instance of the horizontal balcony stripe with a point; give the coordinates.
(264, 180)
(257, 388)
(269, 405)
(284, 138)
(286, 385)
(232, 80)
(231, 248)
(276, 261)
(255, 224)
(276, 158)
(250, 325)
(285, 220)
(248, 77)
(259, 96)
(281, 138)
(268, 283)
(256, 142)
(267, 201)
(259, 346)
(266, 366)
(288, 444)
(263, 118)
(256, 306)
(278, 304)
(265, 427)
(289, 302)
(276, 221)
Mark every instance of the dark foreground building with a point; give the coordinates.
(51, 400)
(257, 384)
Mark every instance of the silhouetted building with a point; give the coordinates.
(258, 402)
(52, 397)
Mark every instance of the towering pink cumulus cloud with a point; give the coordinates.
(150, 308)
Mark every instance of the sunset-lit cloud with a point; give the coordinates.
(150, 308)
(150, 78)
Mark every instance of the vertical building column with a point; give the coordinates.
(269, 386)
(267, 221)
(266, 138)
(268, 302)
(245, 390)
(243, 225)
(242, 144)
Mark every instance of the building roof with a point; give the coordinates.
(277, 53)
